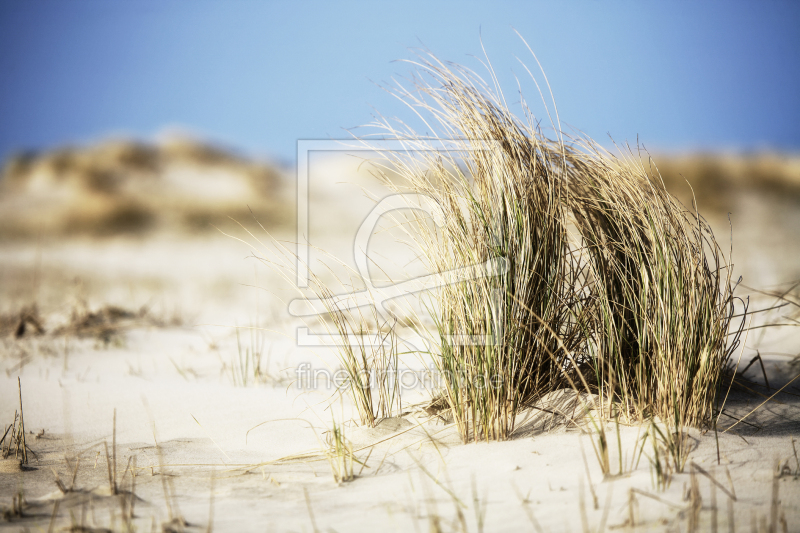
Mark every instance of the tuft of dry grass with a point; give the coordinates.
(26, 321)
(370, 361)
(602, 280)
(659, 290)
(503, 201)
(339, 452)
(13, 439)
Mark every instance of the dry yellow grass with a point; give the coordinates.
(612, 286)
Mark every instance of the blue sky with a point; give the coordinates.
(258, 75)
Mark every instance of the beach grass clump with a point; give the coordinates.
(658, 335)
(596, 277)
(504, 338)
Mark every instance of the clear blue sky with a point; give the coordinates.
(258, 75)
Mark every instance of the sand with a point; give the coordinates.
(211, 451)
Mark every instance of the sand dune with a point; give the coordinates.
(126, 187)
(220, 434)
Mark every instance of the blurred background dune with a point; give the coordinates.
(718, 180)
(125, 187)
(752, 201)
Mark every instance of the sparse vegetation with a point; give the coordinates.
(27, 321)
(340, 454)
(248, 366)
(13, 438)
(106, 323)
(369, 360)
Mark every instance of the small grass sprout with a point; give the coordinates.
(340, 454)
(370, 360)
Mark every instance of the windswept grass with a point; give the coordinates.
(505, 338)
(599, 279)
(661, 295)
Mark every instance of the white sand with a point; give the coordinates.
(419, 476)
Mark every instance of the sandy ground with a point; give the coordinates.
(201, 442)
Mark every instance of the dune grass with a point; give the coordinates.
(660, 292)
(503, 198)
(369, 360)
(339, 453)
(609, 285)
